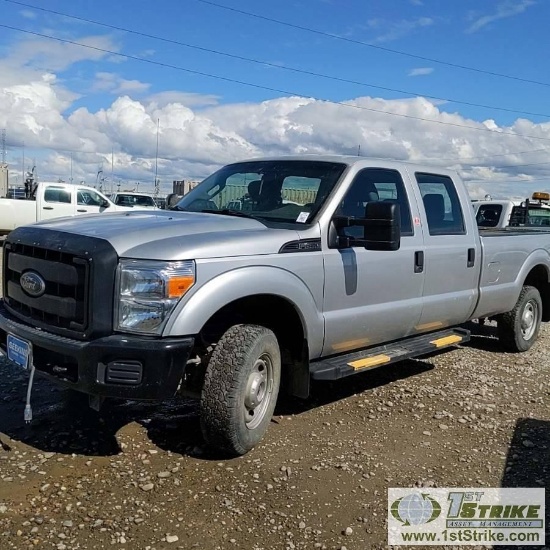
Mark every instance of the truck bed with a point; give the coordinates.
(506, 262)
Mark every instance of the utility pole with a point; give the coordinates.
(4, 181)
(157, 182)
(112, 163)
(3, 144)
(23, 164)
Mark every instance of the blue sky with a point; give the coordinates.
(57, 96)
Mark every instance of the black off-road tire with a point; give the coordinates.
(518, 329)
(240, 389)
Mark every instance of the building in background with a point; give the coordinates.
(182, 187)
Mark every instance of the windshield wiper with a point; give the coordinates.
(227, 212)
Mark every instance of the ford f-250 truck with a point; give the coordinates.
(381, 261)
(52, 200)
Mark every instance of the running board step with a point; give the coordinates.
(339, 366)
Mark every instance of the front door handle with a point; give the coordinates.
(47, 208)
(471, 257)
(419, 261)
(82, 210)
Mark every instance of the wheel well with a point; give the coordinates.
(538, 277)
(280, 316)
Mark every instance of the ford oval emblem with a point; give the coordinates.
(32, 284)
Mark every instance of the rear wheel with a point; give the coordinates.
(518, 329)
(240, 388)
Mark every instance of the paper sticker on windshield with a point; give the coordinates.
(302, 218)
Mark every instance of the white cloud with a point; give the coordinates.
(394, 30)
(185, 98)
(28, 14)
(421, 71)
(115, 84)
(508, 8)
(197, 134)
(58, 56)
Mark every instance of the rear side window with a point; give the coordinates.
(57, 194)
(488, 215)
(441, 203)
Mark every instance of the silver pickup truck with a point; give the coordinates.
(329, 267)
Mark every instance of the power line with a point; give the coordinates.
(521, 165)
(271, 89)
(374, 46)
(491, 156)
(447, 160)
(488, 181)
(274, 65)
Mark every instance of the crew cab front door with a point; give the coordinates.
(88, 202)
(373, 296)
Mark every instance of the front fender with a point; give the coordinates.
(192, 313)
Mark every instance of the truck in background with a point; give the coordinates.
(52, 200)
(498, 214)
(133, 199)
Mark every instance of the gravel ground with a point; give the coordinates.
(139, 477)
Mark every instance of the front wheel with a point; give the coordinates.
(240, 388)
(518, 329)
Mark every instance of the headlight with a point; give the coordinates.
(147, 292)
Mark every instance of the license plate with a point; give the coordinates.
(19, 351)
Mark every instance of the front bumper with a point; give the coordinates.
(123, 366)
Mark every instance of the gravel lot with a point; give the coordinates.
(138, 476)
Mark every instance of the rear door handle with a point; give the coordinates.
(471, 257)
(419, 261)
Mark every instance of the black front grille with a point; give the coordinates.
(79, 275)
(64, 301)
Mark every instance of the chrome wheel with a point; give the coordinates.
(529, 318)
(259, 391)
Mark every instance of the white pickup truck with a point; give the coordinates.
(53, 200)
(498, 214)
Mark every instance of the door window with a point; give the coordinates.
(441, 204)
(57, 194)
(375, 184)
(88, 198)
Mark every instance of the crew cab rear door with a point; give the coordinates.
(373, 296)
(452, 255)
(55, 202)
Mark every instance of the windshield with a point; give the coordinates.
(123, 199)
(280, 190)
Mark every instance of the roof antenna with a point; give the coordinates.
(359, 150)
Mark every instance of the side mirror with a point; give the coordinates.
(104, 203)
(382, 226)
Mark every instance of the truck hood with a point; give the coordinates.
(170, 235)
